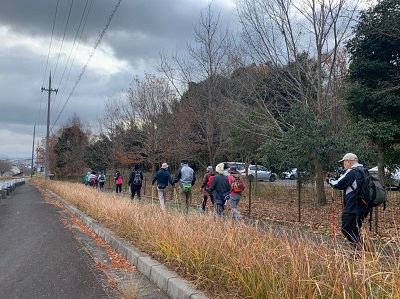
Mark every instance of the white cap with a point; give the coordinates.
(349, 157)
(220, 168)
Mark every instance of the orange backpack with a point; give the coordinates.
(237, 185)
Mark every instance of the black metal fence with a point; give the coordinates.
(288, 201)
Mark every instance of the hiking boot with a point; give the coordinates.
(201, 210)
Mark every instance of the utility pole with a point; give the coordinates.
(46, 163)
(37, 158)
(33, 148)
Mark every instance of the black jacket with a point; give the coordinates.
(132, 177)
(220, 185)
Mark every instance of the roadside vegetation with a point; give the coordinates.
(237, 260)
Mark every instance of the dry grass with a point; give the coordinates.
(235, 260)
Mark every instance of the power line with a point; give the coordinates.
(65, 24)
(63, 38)
(83, 20)
(47, 63)
(90, 57)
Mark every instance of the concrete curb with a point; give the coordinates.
(168, 281)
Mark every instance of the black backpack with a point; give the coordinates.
(372, 193)
(137, 179)
(102, 178)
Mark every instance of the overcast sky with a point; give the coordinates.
(30, 48)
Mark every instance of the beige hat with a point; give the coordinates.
(349, 157)
(220, 168)
(164, 165)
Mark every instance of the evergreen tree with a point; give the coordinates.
(373, 97)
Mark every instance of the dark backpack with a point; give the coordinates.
(372, 193)
(137, 179)
(102, 178)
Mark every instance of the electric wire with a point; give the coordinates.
(39, 121)
(83, 20)
(90, 57)
(63, 38)
(66, 18)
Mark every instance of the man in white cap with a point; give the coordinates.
(220, 185)
(354, 211)
(163, 177)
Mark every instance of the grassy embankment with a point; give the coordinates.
(228, 260)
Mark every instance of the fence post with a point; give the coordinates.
(250, 178)
(145, 184)
(299, 195)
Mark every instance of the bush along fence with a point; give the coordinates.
(8, 186)
(287, 201)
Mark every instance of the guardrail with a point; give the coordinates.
(8, 186)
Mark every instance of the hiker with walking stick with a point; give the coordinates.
(186, 178)
(354, 213)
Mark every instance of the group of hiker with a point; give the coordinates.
(216, 186)
(93, 180)
(221, 189)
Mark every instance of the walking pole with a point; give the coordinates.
(333, 218)
(152, 195)
(176, 198)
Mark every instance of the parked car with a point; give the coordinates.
(393, 176)
(396, 178)
(263, 174)
(241, 167)
(291, 174)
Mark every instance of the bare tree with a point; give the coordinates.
(115, 150)
(299, 42)
(147, 106)
(201, 80)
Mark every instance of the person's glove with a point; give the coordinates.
(201, 190)
(330, 182)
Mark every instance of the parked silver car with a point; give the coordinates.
(263, 174)
(291, 174)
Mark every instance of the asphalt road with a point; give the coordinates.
(39, 257)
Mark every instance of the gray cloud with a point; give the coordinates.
(138, 33)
